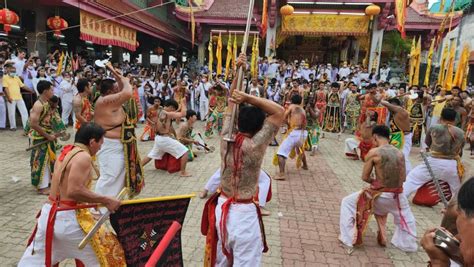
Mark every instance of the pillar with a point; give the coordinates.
(117, 54)
(270, 42)
(375, 47)
(355, 59)
(39, 43)
(201, 53)
(145, 57)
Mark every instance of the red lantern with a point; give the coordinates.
(159, 51)
(56, 24)
(7, 18)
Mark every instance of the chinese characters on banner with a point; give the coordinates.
(95, 30)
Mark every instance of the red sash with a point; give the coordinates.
(365, 147)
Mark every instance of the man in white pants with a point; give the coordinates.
(3, 107)
(203, 92)
(68, 91)
(445, 141)
(384, 196)
(12, 86)
(264, 184)
(165, 142)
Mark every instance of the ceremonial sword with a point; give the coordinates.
(101, 221)
(435, 180)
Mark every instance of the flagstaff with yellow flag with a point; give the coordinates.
(211, 57)
(448, 80)
(253, 58)
(463, 68)
(219, 55)
(416, 74)
(234, 56)
(229, 56)
(428, 63)
(442, 70)
(411, 67)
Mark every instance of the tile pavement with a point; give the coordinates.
(302, 230)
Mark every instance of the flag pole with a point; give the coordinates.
(240, 73)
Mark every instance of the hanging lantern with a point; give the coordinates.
(8, 18)
(159, 51)
(287, 10)
(372, 10)
(56, 24)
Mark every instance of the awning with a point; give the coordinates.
(95, 30)
(324, 25)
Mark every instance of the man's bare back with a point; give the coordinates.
(389, 164)
(296, 116)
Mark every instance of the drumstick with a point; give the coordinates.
(99, 222)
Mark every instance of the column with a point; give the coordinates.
(40, 42)
(117, 54)
(201, 53)
(355, 59)
(145, 57)
(376, 47)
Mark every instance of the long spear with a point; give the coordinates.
(240, 74)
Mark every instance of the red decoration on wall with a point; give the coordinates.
(8, 18)
(57, 24)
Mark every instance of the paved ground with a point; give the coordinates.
(302, 230)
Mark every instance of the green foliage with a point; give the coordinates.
(397, 46)
(462, 4)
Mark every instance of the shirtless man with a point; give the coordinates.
(363, 142)
(445, 141)
(240, 240)
(400, 128)
(116, 170)
(69, 187)
(371, 99)
(386, 189)
(296, 118)
(165, 140)
(185, 133)
(81, 104)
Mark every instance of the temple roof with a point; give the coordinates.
(419, 18)
(226, 9)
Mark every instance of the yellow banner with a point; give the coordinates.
(333, 25)
(95, 30)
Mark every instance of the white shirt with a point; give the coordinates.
(19, 65)
(203, 88)
(344, 72)
(36, 80)
(67, 91)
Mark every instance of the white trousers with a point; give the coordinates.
(244, 239)
(166, 144)
(3, 113)
(350, 145)
(203, 107)
(67, 235)
(407, 144)
(444, 169)
(67, 112)
(20, 104)
(264, 183)
(112, 169)
(404, 239)
(44, 183)
(294, 139)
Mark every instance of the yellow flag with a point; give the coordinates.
(211, 57)
(60, 64)
(228, 58)
(463, 67)
(428, 63)
(448, 81)
(411, 68)
(193, 23)
(417, 61)
(219, 55)
(257, 52)
(442, 66)
(252, 62)
(234, 57)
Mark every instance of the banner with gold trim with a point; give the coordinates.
(95, 30)
(318, 24)
(140, 224)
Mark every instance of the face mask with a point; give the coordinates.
(203, 80)
(68, 79)
(54, 63)
(12, 74)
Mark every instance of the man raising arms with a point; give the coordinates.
(69, 187)
(231, 219)
(82, 105)
(382, 197)
(119, 161)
